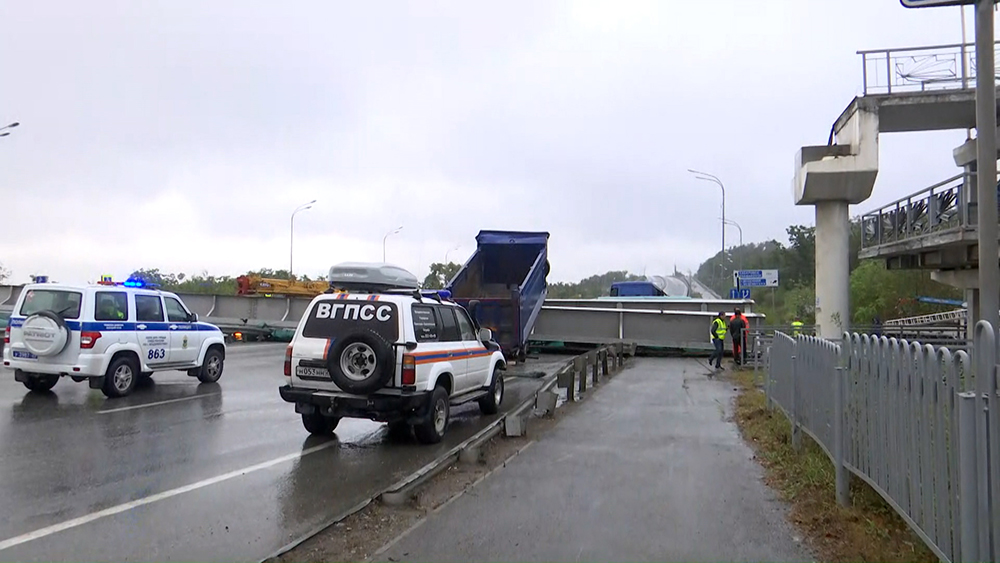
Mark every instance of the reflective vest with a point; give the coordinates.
(719, 328)
(796, 328)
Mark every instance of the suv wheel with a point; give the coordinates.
(121, 377)
(431, 430)
(211, 368)
(490, 404)
(41, 383)
(319, 425)
(361, 363)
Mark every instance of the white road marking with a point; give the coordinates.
(75, 522)
(158, 403)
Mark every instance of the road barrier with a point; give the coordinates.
(598, 363)
(920, 424)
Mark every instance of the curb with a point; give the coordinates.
(399, 492)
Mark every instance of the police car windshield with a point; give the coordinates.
(61, 302)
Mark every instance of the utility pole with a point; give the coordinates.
(986, 165)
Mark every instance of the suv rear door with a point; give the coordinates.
(456, 351)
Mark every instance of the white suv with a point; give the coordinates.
(402, 357)
(110, 334)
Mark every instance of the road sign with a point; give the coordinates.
(934, 3)
(755, 278)
(743, 293)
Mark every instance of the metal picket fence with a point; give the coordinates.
(920, 424)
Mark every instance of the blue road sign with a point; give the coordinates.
(742, 293)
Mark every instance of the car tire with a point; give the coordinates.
(431, 430)
(41, 383)
(361, 363)
(490, 404)
(211, 368)
(121, 377)
(318, 424)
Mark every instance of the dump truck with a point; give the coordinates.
(503, 286)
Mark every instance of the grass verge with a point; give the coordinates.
(867, 530)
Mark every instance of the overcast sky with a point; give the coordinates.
(180, 135)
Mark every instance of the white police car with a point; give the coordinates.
(388, 352)
(112, 334)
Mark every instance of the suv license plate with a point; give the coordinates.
(311, 372)
(23, 355)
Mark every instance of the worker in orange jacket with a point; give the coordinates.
(738, 326)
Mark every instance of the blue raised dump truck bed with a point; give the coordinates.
(507, 276)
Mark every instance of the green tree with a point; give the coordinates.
(440, 275)
(589, 288)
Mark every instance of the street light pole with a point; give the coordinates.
(710, 178)
(449, 252)
(986, 164)
(400, 228)
(291, 235)
(740, 229)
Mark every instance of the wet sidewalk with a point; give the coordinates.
(648, 469)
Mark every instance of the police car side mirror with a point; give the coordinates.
(193, 317)
(485, 335)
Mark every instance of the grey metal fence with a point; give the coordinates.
(920, 424)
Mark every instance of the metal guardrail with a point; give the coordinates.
(920, 424)
(936, 209)
(918, 69)
(602, 362)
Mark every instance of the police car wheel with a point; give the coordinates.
(41, 383)
(361, 363)
(121, 377)
(211, 368)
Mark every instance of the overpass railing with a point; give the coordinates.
(920, 424)
(932, 210)
(918, 69)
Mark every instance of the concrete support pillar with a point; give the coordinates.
(833, 234)
(972, 302)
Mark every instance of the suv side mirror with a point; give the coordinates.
(193, 317)
(485, 335)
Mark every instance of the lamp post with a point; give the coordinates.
(449, 252)
(740, 229)
(710, 178)
(387, 235)
(291, 235)
(5, 131)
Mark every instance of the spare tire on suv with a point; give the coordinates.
(361, 362)
(45, 333)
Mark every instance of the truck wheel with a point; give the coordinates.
(41, 383)
(121, 377)
(361, 363)
(490, 404)
(319, 425)
(211, 368)
(431, 430)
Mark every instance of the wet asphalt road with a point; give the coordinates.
(652, 468)
(187, 471)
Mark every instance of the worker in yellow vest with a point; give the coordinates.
(796, 327)
(718, 336)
